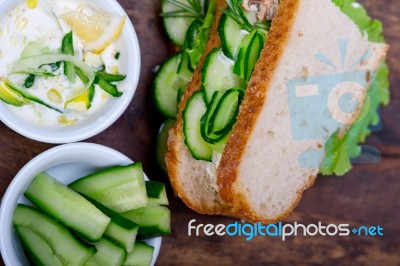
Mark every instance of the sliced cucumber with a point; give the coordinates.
(120, 188)
(25, 94)
(167, 85)
(37, 250)
(225, 114)
(162, 139)
(217, 74)
(67, 47)
(205, 122)
(67, 206)
(192, 115)
(156, 193)
(142, 255)
(153, 220)
(184, 69)
(176, 27)
(108, 254)
(249, 53)
(60, 240)
(121, 230)
(111, 77)
(231, 35)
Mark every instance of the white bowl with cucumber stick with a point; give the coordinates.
(66, 163)
(56, 103)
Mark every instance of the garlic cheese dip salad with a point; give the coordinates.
(59, 61)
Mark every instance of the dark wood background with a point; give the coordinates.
(368, 195)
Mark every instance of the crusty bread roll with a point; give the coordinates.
(259, 177)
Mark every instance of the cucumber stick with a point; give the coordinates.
(156, 193)
(153, 220)
(108, 254)
(142, 255)
(37, 250)
(121, 230)
(120, 188)
(63, 245)
(67, 206)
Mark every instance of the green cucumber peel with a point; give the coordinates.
(35, 62)
(27, 95)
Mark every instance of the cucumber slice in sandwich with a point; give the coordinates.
(161, 146)
(265, 165)
(168, 86)
(217, 74)
(175, 74)
(178, 15)
(231, 35)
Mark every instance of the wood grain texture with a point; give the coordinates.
(368, 195)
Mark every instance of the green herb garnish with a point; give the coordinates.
(193, 10)
(29, 81)
(117, 55)
(235, 12)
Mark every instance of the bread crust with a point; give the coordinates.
(250, 109)
(176, 133)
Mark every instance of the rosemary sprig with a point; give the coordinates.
(194, 9)
(235, 12)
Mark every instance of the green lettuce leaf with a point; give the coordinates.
(339, 150)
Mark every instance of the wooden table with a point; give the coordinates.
(368, 195)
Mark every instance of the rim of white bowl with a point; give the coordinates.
(74, 134)
(96, 154)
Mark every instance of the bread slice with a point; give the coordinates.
(193, 180)
(259, 177)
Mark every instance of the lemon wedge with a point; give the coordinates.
(97, 31)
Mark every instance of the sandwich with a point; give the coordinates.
(283, 91)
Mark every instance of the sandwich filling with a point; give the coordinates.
(211, 112)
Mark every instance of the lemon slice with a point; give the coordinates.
(97, 31)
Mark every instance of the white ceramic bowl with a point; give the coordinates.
(128, 45)
(66, 163)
